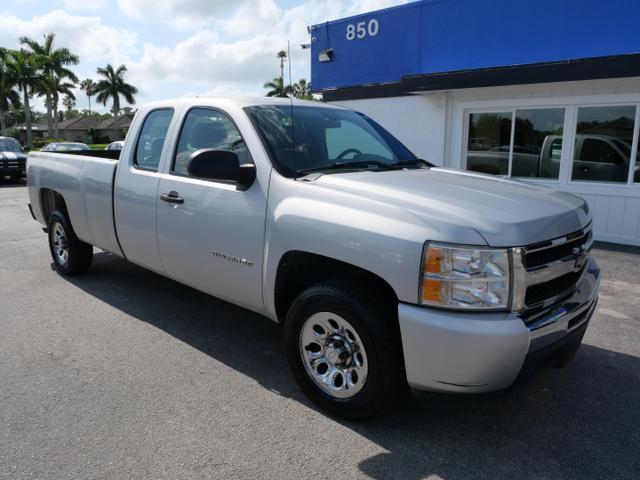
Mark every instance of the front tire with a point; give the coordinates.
(344, 349)
(71, 256)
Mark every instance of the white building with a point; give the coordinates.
(555, 105)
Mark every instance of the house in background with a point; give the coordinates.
(78, 129)
(545, 91)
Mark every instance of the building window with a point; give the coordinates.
(489, 142)
(534, 150)
(537, 145)
(604, 139)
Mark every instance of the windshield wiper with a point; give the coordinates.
(411, 163)
(348, 165)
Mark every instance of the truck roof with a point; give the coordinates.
(236, 101)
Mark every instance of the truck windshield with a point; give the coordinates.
(9, 146)
(316, 139)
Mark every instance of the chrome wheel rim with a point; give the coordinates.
(333, 354)
(60, 244)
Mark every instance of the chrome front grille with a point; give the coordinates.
(548, 272)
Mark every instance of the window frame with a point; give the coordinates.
(179, 135)
(571, 105)
(134, 156)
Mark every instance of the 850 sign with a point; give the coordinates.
(362, 30)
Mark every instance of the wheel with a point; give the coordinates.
(71, 256)
(344, 349)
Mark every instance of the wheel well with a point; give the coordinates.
(51, 201)
(299, 270)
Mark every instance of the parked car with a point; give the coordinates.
(64, 147)
(12, 159)
(115, 145)
(385, 271)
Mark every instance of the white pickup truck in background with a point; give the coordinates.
(385, 271)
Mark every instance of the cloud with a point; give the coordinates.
(182, 14)
(87, 36)
(237, 53)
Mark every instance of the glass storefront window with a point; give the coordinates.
(537, 145)
(604, 138)
(489, 142)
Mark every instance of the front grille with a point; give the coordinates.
(552, 269)
(547, 252)
(553, 288)
(6, 163)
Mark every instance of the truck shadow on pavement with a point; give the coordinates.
(579, 422)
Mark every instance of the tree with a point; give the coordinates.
(61, 87)
(112, 86)
(277, 88)
(69, 101)
(87, 86)
(282, 55)
(24, 68)
(53, 64)
(302, 90)
(9, 97)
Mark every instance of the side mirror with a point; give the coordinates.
(222, 165)
(27, 149)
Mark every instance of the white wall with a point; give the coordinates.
(433, 126)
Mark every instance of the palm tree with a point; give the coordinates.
(112, 86)
(277, 88)
(87, 86)
(9, 97)
(302, 90)
(24, 68)
(282, 55)
(53, 63)
(61, 87)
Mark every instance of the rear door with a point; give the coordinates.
(210, 233)
(136, 188)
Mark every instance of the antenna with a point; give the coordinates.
(293, 131)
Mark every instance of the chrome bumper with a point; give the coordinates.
(448, 351)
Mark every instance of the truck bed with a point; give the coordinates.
(85, 180)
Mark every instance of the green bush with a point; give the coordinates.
(41, 142)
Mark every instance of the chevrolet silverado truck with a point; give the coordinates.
(386, 272)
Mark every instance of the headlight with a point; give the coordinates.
(465, 277)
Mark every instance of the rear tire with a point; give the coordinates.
(71, 256)
(336, 329)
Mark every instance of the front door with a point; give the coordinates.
(210, 234)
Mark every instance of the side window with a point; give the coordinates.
(596, 150)
(207, 128)
(152, 138)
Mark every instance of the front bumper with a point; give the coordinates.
(447, 351)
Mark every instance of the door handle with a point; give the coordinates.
(171, 197)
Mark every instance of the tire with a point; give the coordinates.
(368, 327)
(71, 256)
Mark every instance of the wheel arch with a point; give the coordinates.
(298, 270)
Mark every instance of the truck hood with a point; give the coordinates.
(507, 213)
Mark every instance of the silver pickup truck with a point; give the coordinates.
(385, 271)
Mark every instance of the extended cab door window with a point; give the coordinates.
(151, 139)
(207, 128)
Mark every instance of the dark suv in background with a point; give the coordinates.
(13, 159)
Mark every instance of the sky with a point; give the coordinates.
(178, 48)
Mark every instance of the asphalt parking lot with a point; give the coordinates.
(125, 374)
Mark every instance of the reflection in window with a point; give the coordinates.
(489, 142)
(604, 136)
(538, 143)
